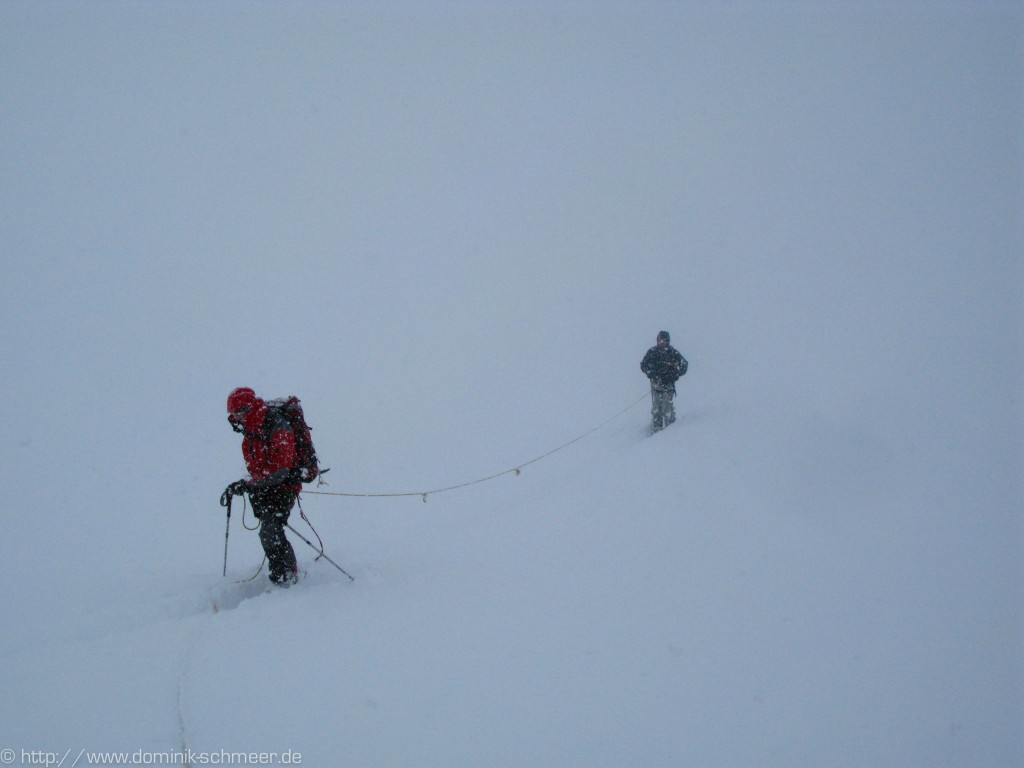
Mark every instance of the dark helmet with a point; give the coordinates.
(664, 335)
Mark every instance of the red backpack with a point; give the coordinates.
(291, 410)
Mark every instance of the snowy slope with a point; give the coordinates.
(453, 231)
(661, 601)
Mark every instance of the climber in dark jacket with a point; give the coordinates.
(663, 365)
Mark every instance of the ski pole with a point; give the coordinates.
(227, 530)
(319, 551)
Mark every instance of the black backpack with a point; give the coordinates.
(290, 410)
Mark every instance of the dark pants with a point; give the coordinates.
(271, 508)
(663, 412)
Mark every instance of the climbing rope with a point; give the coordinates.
(258, 571)
(514, 470)
(244, 524)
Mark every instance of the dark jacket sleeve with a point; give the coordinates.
(645, 364)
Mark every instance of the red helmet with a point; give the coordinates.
(239, 398)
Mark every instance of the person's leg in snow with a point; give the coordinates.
(272, 508)
(663, 412)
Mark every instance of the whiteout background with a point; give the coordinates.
(453, 229)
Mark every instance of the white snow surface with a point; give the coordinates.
(453, 229)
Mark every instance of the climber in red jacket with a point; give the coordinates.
(268, 447)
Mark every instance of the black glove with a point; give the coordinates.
(238, 487)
